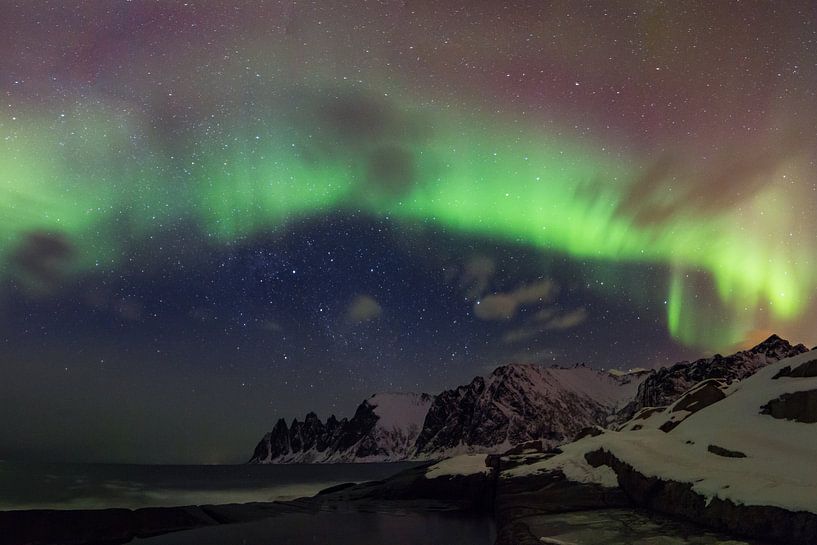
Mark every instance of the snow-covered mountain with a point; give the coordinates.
(668, 383)
(384, 428)
(514, 404)
(520, 403)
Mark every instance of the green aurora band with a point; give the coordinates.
(103, 178)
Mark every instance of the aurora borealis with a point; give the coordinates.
(653, 162)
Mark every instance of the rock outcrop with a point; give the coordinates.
(517, 404)
(679, 499)
(667, 384)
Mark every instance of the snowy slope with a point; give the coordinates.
(666, 384)
(728, 449)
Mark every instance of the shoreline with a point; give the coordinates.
(519, 507)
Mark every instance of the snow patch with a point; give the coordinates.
(464, 464)
(400, 410)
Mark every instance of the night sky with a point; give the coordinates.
(214, 215)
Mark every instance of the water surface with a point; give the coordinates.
(98, 486)
(624, 527)
(410, 528)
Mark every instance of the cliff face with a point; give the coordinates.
(519, 403)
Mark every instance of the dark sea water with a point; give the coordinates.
(95, 486)
(410, 528)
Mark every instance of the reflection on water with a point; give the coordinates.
(623, 527)
(96, 486)
(435, 528)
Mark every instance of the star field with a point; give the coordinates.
(213, 215)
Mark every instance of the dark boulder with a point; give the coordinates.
(590, 431)
(804, 370)
(797, 406)
(703, 395)
(720, 451)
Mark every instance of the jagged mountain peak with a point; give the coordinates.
(774, 344)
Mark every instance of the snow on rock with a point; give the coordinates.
(400, 410)
(778, 468)
(400, 418)
(519, 403)
(464, 464)
(554, 541)
(515, 404)
(667, 384)
(383, 429)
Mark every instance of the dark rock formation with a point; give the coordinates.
(720, 451)
(311, 434)
(340, 440)
(699, 397)
(703, 395)
(797, 406)
(666, 385)
(678, 499)
(590, 431)
(807, 369)
(525, 448)
(515, 404)
(520, 500)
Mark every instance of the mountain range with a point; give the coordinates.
(515, 404)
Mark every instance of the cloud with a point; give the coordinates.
(547, 319)
(392, 169)
(271, 326)
(42, 258)
(520, 334)
(363, 308)
(568, 320)
(669, 188)
(375, 135)
(476, 276)
(504, 306)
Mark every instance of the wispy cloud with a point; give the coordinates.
(363, 308)
(505, 305)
